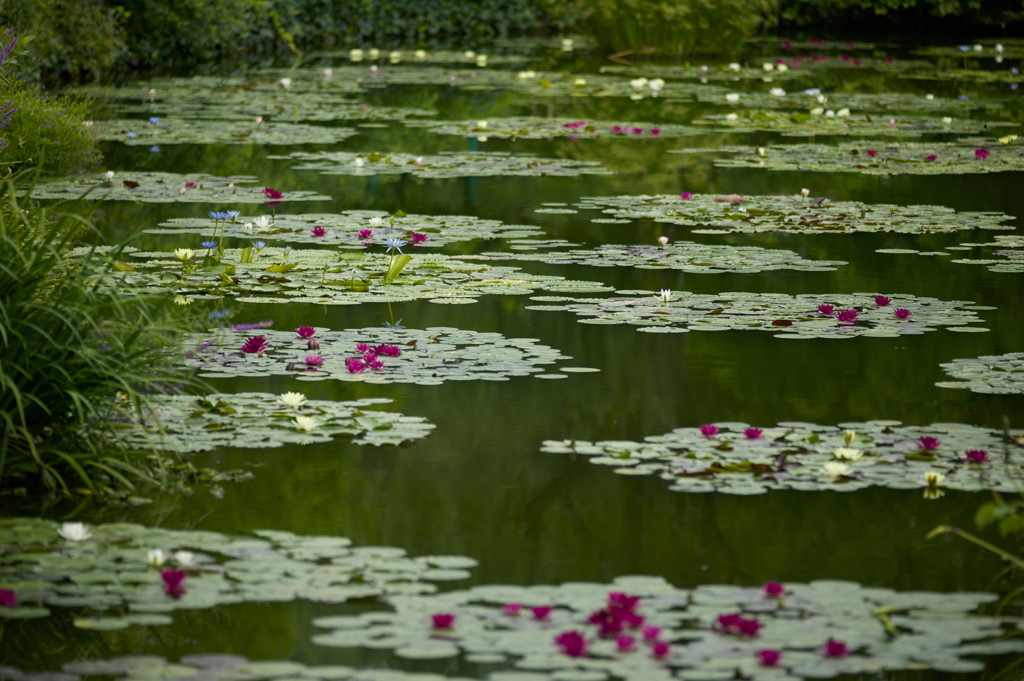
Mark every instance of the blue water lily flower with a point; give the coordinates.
(131, 135)
(232, 214)
(964, 48)
(812, 91)
(396, 326)
(394, 244)
(209, 244)
(154, 119)
(218, 216)
(258, 245)
(154, 149)
(219, 314)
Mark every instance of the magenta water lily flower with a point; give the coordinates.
(272, 193)
(318, 231)
(652, 634)
(625, 644)
(618, 599)
(753, 433)
(774, 589)
(834, 648)
(388, 350)
(312, 344)
(931, 158)
(661, 650)
(512, 609)
(541, 612)
(365, 234)
(314, 361)
(8, 599)
(902, 313)
(305, 331)
(847, 316)
(928, 443)
(686, 196)
(769, 658)
(976, 455)
(443, 620)
(416, 238)
(882, 300)
(572, 643)
(375, 365)
(871, 153)
(826, 309)
(355, 365)
(363, 347)
(735, 623)
(174, 583)
(637, 131)
(256, 345)
(981, 154)
(709, 430)
(655, 131)
(617, 128)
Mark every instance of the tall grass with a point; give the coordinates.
(70, 350)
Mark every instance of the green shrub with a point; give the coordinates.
(70, 349)
(964, 14)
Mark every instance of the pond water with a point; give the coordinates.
(479, 485)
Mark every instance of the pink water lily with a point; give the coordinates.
(318, 231)
(981, 154)
(769, 658)
(901, 313)
(655, 131)
(174, 583)
(686, 196)
(834, 648)
(365, 234)
(625, 644)
(661, 650)
(8, 599)
(871, 153)
(931, 158)
(709, 430)
(847, 316)
(976, 455)
(355, 365)
(774, 589)
(737, 624)
(572, 643)
(314, 360)
(416, 238)
(753, 433)
(652, 634)
(826, 309)
(443, 620)
(541, 612)
(512, 609)
(928, 443)
(305, 331)
(882, 300)
(256, 345)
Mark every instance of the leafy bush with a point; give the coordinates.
(822, 13)
(70, 350)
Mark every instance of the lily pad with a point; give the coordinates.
(735, 458)
(799, 316)
(446, 164)
(427, 356)
(859, 104)
(548, 128)
(826, 122)
(793, 214)
(157, 187)
(262, 420)
(930, 629)
(110, 570)
(878, 157)
(990, 374)
(182, 130)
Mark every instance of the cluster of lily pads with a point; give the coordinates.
(216, 131)
(548, 128)
(446, 164)
(183, 423)
(643, 628)
(802, 316)
(160, 187)
(113, 572)
(990, 374)
(828, 122)
(800, 214)
(421, 356)
(736, 458)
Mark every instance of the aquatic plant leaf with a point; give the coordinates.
(157, 187)
(261, 420)
(804, 124)
(548, 128)
(211, 131)
(742, 311)
(793, 214)
(428, 356)
(446, 164)
(859, 104)
(109, 571)
(990, 374)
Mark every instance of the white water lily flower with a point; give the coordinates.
(663, 240)
(525, 75)
(481, 60)
(286, 82)
(469, 54)
(999, 59)
(355, 54)
(182, 190)
(182, 300)
(929, 97)
(579, 82)
(999, 47)
(358, 162)
(481, 138)
(88, 124)
(1007, 139)
(817, 111)
(293, 399)
(777, 92)
(155, 557)
(183, 558)
(830, 114)
(327, 73)
(933, 478)
(946, 120)
(377, 222)
(978, 48)
(373, 53)
(109, 174)
(481, 125)
(656, 84)
(74, 531)
(184, 254)
(665, 295)
(567, 44)
(735, 66)
(248, 226)
(262, 221)
(821, 99)
(849, 436)
(767, 66)
(835, 469)
(781, 68)
(762, 152)
(305, 423)
(732, 117)
(394, 56)
(637, 83)
(843, 113)
(420, 54)
(419, 160)
(805, 193)
(732, 97)
(847, 453)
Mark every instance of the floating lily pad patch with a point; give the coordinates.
(736, 458)
(186, 423)
(803, 316)
(446, 164)
(327, 276)
(640, 628)
(874, 157)
(422, 356)
(158, 187)
(856, 105)
(182, 130)
(123, 574)
(357, 229)
(990, 374)
(826, 122)
(794, 214)
(686, 256)
(273, 86)
(543, 128)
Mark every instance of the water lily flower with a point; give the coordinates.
(286, 82)
(665, 295)
(871, 153)
(481, 125)
(572, 643)
(651, 633)
(8, 599)
(512, 609)
(355, 365)
(849, 436)
(663, 240)
(805, 193)
(415, 239)
(183, 558)
(882, 301)
(709, 430)
(327, 73)
(777, 92)
(365, 234)
(826, 309)
(843, 113)
(753, 433)
(902, 313)
(272, 193)
(359, 162)
(834, 648)
(442, 620)
(686, 196)
(388, 350)
(847, 453)
(774, 589)
(656, 84)
(541, 612)
(181, 299)
(1007, 139)
(928, 443)
(109, 175)
(174, 583)
(256, 345)
(394, 244)
(661, 650)
(976, 455)
(847, 316)
(655, 131)
(259, 245)
(306, 424)
(735, 623)
(318, 231)
(262, 221)
(579, 82)
(292, 399)
(74, 531)
(761, 151)
(625, 644)
(835, 469)
(981, 154)
(769, 658)
(314, 360)
(637, 83)
(184, 254)
(419, 160)
(732, 97)
(817, 111)
(155, 557)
